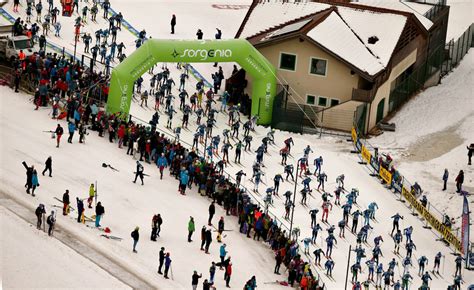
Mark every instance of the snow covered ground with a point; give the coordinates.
(461, 16)
(128, 205)
(27, 252)
(433, 130)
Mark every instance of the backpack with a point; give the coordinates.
(50, 220)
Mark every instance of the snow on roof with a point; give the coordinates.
(337, 37)
(274, 13)
(289, 28)
(386, 27)
(400, 6)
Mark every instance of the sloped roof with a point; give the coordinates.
(414, 8)
(344, 32)
(335, 35)
(266, 15)
(385, 26)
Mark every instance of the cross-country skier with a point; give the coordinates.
(458, 262)
(397, 238)
(340, 181)
(326, 205)
(321, 179)
(289, 172)
(342, 226)
(396, 218)
(437, 262)
(330, 241)
(406, 280)
(422, 261)
(314, 232)
(329, 265)
(408, 232)
(318, 162)
(409, 247)
(426, 279)
(288, 142)
(355, 220)
(371, 266)
(313, 213)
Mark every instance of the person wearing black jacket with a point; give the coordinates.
(208, 236)
(80, 209)
(139, 172)
(203, 237)
(99, 211)
(173, 23)
(40, 211)
(195, 280)
(29, 176)
(470, 151)
(59, 132)
(66, 202)
(136, 236)
(212, 211)
(162, 260)
(48, 166)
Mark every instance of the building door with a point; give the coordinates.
(380, 108)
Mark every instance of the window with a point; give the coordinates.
(322, 101)
(310, 100)
(334, 102)
(287, 61)
(318, 66)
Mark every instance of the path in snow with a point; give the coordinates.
(27, 252)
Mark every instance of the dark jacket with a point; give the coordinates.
(195, 279)
(29, 172)
(99, 209)
(212, 209)
(162, 256)
(135, 235)
(66, 198)
(48, 162)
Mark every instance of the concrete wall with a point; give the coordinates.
(384, 90)
(337, 84)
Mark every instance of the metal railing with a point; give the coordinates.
(401, 186)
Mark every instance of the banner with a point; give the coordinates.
(366, 154)
(153, 51)
(448, 236)
(465, 228)
(385, 175)
(354, 135)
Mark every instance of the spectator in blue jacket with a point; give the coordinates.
(71, 128)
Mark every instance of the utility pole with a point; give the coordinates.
(347, 269)
(294, 200)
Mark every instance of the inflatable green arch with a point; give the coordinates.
(192, 51)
